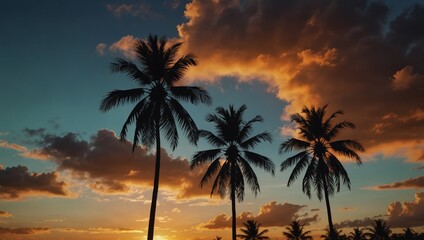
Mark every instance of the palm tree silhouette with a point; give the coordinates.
(318, 148)
(334, 234)
(357, 234)
(409, 234)
(231, 158)
(379, 230)
(296, 231)
(251, 231)
(157, 100)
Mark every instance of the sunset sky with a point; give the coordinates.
(64, 174)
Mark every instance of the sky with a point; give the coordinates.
(64, 174)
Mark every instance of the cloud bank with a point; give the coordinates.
(272, 214)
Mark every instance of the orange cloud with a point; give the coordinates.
(314, 53)
(25, 230)
(272, 214)
(125, 45)
(407, 214)
(16, 182)
(411, 183)
(5, 214)
(24, 151)
(403, 78)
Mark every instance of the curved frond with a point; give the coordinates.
(253, 141)
(180, 67)
(193, 94)
(247, 128)
(343, 147)
(168, 124)
(336, 129)
(212, 138)
(185, 121)
(202, 157)
(132, 117)
(293, 144)
(250, 176)
(128, 67)
(118, 97)
(300, 165)
(293, 160)
(210, 172)
(260, 161)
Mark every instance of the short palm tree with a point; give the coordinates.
(157, 107)
(357, 234)
(251, 231)
(334, 234)
(379, 230)
(231, 157)
(318, 154)
(296, 231)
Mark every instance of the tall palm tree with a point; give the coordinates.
(318, 154)
(251, 231)
(296, 231)
(357, 234)
(379, 230)
(231, 157)
(157, 107)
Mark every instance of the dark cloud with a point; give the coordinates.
(26, 230)
(5, 214)
(34, 132)
(111, 167)
(272, 214)
(345, 53)
(399, 215)
(411, 183)
(18, 181)
(366, 222)
(407, 214)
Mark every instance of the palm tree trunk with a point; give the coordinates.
(233, 203)
(327, 203)
(155, 185)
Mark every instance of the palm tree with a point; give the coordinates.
(409, 234)
(296, 232)
(379, 230)
(334, 234)
(357, 234)
(156, 99)
(231, 157)
(318, 148)
(251, 231)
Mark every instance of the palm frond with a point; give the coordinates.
(128, 67)
(202, 157)
(343, 147)
(212, 138)
(247, 128)
(118, 97)
(334, 131)
(300, 165)
(260, 161)
(253, 141)
(134, 114)
(250, 175)
(185, 121)
(293, 160)
(193, 94)
(180, 67)
(168, 124)
(210, 172)
(293, 144)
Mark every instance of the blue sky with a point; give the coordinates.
(53, 76)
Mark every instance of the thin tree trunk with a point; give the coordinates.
(155, 186)
(330, 219)
(233, 203)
